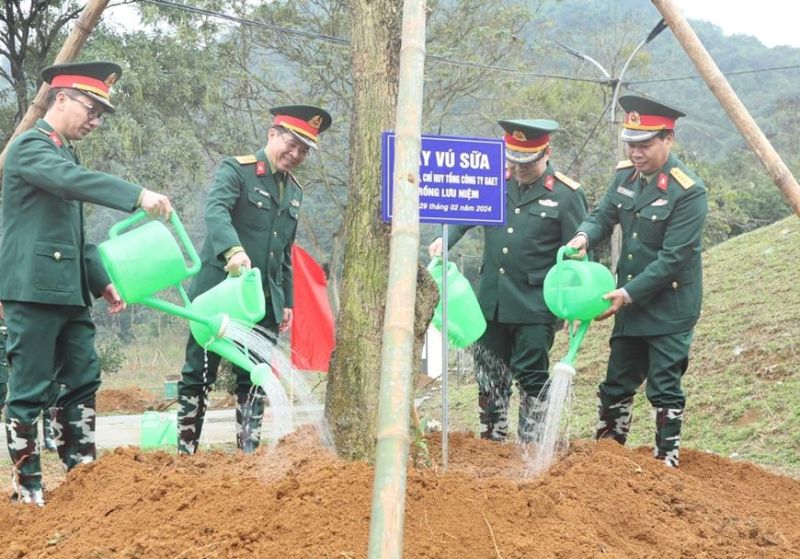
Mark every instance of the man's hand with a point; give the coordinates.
(617, 298)
(2, 315)
(435, 248)
(155, 204)
(579, 243)
(286, 323)
(238, 263)
(115, 304)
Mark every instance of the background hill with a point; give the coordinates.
(743, 382)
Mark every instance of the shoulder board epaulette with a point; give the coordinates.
(624, 164)
(683, 179)
(573, 184)
(246, 159)
(294, 180)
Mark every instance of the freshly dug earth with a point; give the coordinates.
(299, 501)
(133, 399)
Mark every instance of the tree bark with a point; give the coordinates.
(351, 404)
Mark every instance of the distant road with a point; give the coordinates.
(219, 427)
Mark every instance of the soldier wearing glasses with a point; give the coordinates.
(50, 273)
(251, 220)
(543, 210)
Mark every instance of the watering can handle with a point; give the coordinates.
(179, 230)
(564, 251)
(435, 261)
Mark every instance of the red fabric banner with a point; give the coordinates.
(313, 336)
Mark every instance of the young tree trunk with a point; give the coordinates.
(352, 396)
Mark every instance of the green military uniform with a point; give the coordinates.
(540, 218)
(3, 366)
(253, 207)
(660, 268)
(49, 274)
(244, 208)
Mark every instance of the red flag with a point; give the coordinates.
(313, 337)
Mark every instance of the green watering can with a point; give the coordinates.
(573, 290)
(147, 259)
(465, 321)
(158, 430)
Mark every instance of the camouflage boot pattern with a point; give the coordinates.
(614, 421)
(74, 429)
(249, 416)
(48, 434)
(191, 413)
(493, 415)
(531, 416)
(668, 435)
(26, 469)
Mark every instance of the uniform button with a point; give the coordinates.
(636, 215)
(630, 277)
(619, 205)
(510, 229)
(543, 214)
(674, 285)
(635, 235)
(259, 204)
(271, 254)
(274, 233)
(516, 210)
(57, 255)
(502, 270)
(630, 257)
(505, 250)
(653, 218)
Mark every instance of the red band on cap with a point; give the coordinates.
(81, 82)
(636, 121)
(298, 125)
(537, 144)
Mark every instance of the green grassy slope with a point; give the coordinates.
(743, 383)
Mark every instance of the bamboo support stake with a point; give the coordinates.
(727, 97)
(72, 46)
(391, 453)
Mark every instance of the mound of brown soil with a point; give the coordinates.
(131, 399)
(297, 500)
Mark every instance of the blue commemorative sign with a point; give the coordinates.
(462, 180)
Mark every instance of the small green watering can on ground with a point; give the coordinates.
(465, 321)
(158, 430)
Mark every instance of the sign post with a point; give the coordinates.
(462, 182)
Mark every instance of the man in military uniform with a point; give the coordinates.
(251, 220)
(661, 206)
(50, 272)
(543, 209)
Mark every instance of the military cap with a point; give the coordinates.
(93, 79)
(527, 140)
(305, 122)
(645, 118)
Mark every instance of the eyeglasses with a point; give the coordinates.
(293, 144)
(91, 111)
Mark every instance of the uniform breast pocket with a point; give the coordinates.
(542, 221)
(255, 210)
(652, 223)
(55, 268)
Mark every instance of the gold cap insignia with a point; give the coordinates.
(519, 135)
(111, 79)
(316, 121)
(634, 118)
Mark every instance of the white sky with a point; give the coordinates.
(773, 22)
